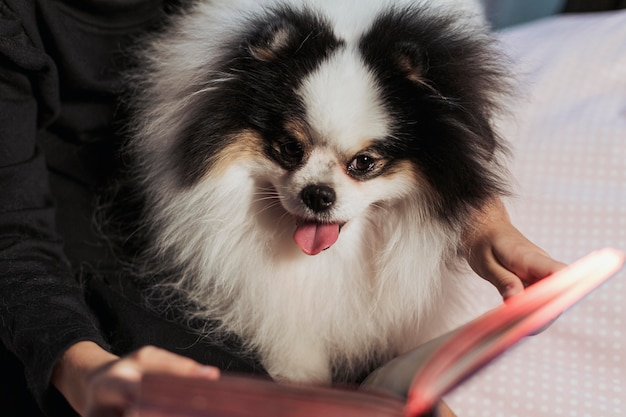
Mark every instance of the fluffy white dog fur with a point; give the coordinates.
(224, 191)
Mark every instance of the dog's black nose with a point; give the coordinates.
(318, 197)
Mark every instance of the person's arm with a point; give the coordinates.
(42, 310)
(501, 254)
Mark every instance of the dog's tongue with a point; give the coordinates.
(314, 237)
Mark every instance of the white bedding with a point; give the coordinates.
(569, 160)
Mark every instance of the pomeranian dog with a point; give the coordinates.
(309, 166)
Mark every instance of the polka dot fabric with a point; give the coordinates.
(568, 135)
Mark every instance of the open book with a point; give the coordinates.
(409, 385)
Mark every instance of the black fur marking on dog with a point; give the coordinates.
(442, 85)
(266, 67)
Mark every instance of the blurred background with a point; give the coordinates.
(503, 13)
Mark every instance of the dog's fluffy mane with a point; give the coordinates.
(220, 79)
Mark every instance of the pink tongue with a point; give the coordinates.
(315, 237)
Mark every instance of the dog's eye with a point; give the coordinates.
(361, 164)
(291, 152)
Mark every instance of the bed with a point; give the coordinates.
(568, 136)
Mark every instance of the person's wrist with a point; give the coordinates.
(71, 373)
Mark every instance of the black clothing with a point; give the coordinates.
(60, 63)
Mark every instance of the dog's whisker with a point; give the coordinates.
(268, 198)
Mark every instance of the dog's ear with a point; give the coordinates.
(272, 40)
(411, 61)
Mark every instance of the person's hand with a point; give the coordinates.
(502, 255)
(444, 411)
(99, 384)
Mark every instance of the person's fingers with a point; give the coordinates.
(538, 266)
(507, 283)
(528, 262)
(444, 411)
(488, 266)
(115, 386)
(113, 389)
(153, 359)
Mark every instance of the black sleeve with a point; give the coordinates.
(42, 308)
